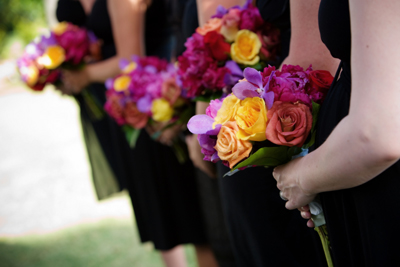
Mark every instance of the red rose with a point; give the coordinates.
(114, 108)
(288, 124)
(217, 45)
(321, 80)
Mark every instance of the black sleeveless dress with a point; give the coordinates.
(262, 230)
(363, 222)
(163, 193)
(210, 199)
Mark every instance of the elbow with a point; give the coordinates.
(379, 145)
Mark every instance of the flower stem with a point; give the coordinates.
(323, 235)
(320, 227)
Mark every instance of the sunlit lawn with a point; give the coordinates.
(110, 242)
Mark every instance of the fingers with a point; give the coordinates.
(310, 224)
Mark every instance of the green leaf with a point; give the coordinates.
(267, 157)
(315, 111)
(294, 150)
(131, 135)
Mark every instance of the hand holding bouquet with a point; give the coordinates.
(66, 47)
(147, 94)
(268, 119)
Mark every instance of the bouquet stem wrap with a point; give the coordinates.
(320, 226)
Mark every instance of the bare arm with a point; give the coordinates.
(127, 20)
(306, 46)
(364, 143)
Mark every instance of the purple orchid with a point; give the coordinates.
(123, 63)
(202, 125)
(221, 11)
(253, 87)
(235, 74)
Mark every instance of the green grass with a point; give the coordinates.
(110, 242)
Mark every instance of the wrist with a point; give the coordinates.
(306, 184)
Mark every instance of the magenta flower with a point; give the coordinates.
(250, 19)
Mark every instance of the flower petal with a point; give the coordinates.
(203, 124)
(253, 76)
(244, 89)
(269, 99)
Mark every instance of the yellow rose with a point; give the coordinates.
(230, 148)
(53, 57)
(246, 47)
(60, 28)
(122, 83)
(227, 111)
(129, 68)
(162, 110)
(251, 118)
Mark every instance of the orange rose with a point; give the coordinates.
(211, 25)
(170, 90)
(134, 117)
(288, 124)
(229, 147)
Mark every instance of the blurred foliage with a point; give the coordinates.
(20, 19)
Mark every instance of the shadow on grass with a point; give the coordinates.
(108, 243)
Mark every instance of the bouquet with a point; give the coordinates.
(217, 53)
(67, 46)
(268, 120)
(147, 91)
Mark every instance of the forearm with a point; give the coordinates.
(101, 71)
(348, 158)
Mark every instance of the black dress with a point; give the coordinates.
(262, 230)
(363, 222)
(163, 192)
(210, 199)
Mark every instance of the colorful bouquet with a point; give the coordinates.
(147, 91)
(268, 120)
(217, 53)
(67, 46)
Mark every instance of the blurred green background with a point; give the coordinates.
(49, 215)
(20, 22)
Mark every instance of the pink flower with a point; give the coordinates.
(230, 24)
(288, 85)
(75, 42)
(289, 124)
(250, 19)
(213, 108)
(213, 78)
(170, 90)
